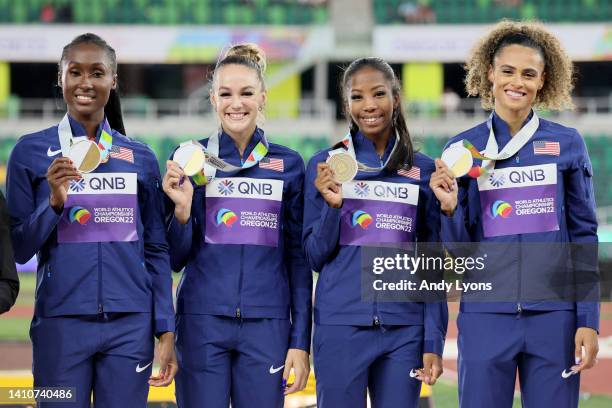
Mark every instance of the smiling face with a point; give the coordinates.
(237, 96)
(371, 102)
(87, 78)
(516, 76)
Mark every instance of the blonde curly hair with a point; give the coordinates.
(558, 83)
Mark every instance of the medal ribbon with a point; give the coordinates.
(491, 153)
(67, 140)
(349, 147)
(214, 162)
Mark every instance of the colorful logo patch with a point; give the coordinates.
(227, 217)
(79, 214)
(501, 208)
(361, 218)
(226, 187)
(362, 189)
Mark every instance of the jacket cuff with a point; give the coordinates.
(587, 320)
(451, 227)
(433, 346)
(163, 326)
(330, 221)
(301, 344)
(46, 215)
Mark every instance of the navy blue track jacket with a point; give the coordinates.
(338, 294)
(87, 278)
(575, 209)
(246, 280)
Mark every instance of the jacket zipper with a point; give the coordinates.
(375, 316)
(100, 306)
(238, 312)
(519, 307)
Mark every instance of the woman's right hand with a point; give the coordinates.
(327, 186)
(178, 187)
(59, 174)
(444, 186)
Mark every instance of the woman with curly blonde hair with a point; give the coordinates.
(531, 184)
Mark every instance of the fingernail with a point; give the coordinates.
(578, 360)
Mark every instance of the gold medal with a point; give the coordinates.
(85, 155)
(344, 167)
(458, 159)
(191, 158)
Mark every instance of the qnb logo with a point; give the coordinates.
(362, 189)
(79, 214)
(501, 208)
(226, 217)
(361, 218)
(226, 187)
(497, 180)
(391, 191)
(255, 188)
(77, 185)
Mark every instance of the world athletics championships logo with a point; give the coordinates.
(226, 217)
(226, 187)
(361, 218)
(79, 214)
(77, 185)
(497, 181)
(501, 208)
(362, 189)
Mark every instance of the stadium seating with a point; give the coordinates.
(487, 11)
(164, 12)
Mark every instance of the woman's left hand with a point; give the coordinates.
(168, 366)
(298, 360)
(432, 369)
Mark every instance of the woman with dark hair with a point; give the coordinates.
(87, 200)
(529, 196)
(387, 348)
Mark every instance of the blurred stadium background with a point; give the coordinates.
(167, 48)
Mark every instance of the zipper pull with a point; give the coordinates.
(238, 313)
(376, 321)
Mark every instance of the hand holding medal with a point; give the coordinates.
(444, 186)
(327, 185)
(179, 190)
(60, 173)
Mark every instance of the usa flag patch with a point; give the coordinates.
(549, 148)
(122, 153)
(272, 164)
(414, 173)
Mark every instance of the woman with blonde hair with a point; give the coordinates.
(244, 302)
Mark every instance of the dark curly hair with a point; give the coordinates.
(558, 83)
